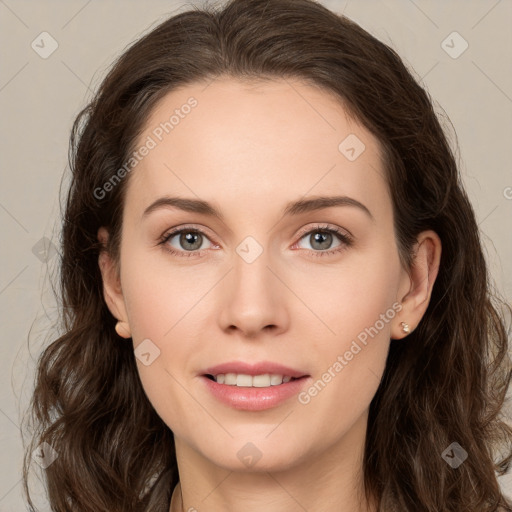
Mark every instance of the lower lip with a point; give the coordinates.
(254, 399)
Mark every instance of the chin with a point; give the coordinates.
(256, 456)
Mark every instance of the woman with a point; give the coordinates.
(274, 292)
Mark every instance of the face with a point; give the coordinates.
(317, 290)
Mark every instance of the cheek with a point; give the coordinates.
(356, 305)
(159, 295)
(351, 298)
(164, 310)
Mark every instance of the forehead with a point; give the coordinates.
(255, 143)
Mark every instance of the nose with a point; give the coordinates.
(253, 298)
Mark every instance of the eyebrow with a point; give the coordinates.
(293, 208)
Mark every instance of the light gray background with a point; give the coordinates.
(39, 99)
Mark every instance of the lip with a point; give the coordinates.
(254, 399)
(250, 398)
(254, 369)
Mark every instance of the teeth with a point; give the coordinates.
(230, 379)
(248, 381)
(276, 380)
(243, 380)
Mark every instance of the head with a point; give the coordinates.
(247, 114)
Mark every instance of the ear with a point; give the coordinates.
(112, 291)
(417, 283)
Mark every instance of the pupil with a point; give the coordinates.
(191, 239)
(324, 237)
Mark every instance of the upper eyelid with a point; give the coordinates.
(176, 231)
(321, 226)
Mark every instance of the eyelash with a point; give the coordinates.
(345, 239)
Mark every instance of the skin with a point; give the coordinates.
(249, 149)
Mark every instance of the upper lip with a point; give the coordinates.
(260, 368)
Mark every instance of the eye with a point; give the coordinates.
(189, 242)
(321, 239)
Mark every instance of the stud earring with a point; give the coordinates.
(405, 327)
(123, 330)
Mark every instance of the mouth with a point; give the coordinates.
(253, 386)
(254, 393)
(251, 381)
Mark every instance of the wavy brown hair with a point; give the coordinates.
(446, 383)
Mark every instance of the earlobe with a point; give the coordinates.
(406, 328)
(112, 291)
(123, 330)
(421, 278)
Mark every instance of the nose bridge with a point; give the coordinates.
(253, 299)
(251, 274)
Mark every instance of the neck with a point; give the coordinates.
(328, 481)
